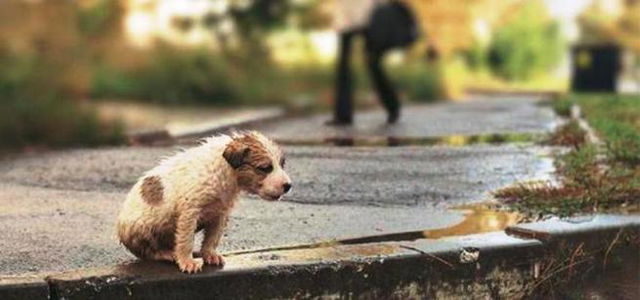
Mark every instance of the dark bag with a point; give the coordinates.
(391, 25)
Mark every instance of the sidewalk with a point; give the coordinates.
(59, 207)
(480, 116)
(155, 124)
(373, 221)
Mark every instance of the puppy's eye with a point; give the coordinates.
(265, 169)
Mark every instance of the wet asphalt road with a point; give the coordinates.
(57, 209)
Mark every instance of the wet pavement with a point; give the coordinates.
(57, 209)
(359, 176)
(482, 115)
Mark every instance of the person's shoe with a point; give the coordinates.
(393, 116)
(337, 122)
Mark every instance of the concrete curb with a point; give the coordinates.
(165, 136)
(24, 288)
(493, 265)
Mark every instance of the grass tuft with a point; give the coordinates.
(586, 184)
(570, 134)
(562, 107)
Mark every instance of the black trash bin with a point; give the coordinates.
(595, 68)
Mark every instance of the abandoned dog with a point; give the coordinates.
(195, 190)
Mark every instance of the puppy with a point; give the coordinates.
(195, 190)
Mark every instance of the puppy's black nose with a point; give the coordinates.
(286, 187)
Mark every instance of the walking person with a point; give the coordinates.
(368, 19)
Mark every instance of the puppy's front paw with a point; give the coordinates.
(190, 265)
(213, 259)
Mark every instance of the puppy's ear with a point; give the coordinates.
(236, 153)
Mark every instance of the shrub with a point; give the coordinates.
(174, 76)
(527, 45)
(421, 82)
(98, 17)
(476, 57)
(562, 106)
(35, 110)
(109, 81)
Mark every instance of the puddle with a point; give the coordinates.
(477, 219)
(392, 141)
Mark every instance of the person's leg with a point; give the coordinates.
(343, 113)
(383, 86)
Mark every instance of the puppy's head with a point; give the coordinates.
(259, 165)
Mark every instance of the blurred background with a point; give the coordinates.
(86, 72)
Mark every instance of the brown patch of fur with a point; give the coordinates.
(152, 190)
(247, 154)
(145, 242)
(235, 153)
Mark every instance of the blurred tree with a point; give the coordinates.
(312, 15)
(526, 44)
(450, 25)
(256, 19)
(628, 26)
(42, 78)
(46, 31)
(99, 18)
(600, 27)
(447, 24)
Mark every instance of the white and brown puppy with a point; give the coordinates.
(196, 190)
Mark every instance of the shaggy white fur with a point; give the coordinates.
(196, 189)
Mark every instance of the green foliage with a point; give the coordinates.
(171, 76)
(579, 165)
(35, 110)
(98, 18)
(586, 185)
(109, 81)
(476, 57)
(562, 107)
(569, 134)
(623, 141)
(174, 76)
(262, 14)
(309, 17)
(527, 45)
(421, 82)
(617, 119)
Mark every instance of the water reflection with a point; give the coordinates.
(477, 219)
(447, 140)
